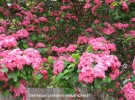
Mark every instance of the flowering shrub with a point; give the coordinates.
(68, 44)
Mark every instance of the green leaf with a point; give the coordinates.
(65, 62)
(71, 65)
(5, 92)
(50, 59)
(25, 46)
(97, 83)
(69, 91)
(39, 76)
(65, 72)
(115, 3)
(4, 70)
(89, 49)
(58, 77)
(107, 80)
(76, 56)
(61, 20)
(13, 75)
(132, 79)
(17, 84)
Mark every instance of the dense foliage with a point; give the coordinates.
(68, 44)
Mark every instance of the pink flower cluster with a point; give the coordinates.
(121, 25)
(97, 44)
(22, 33)
(94, 66)
(88, 30)
(59, 64)
(98, 3)
(109, 30)
(70, 16)
(65, 7)
(20, 91)
(43, 19)
(82, 40)
(129, 91)
(125, 6)
(109, 1)
(40, 45)
(132, 19)
(70, 48)
(101, 44)
(3, 76)
(131, 34)
(7, 41)
(18, 58)
(2, 29)
(15, 7)
(44, 73)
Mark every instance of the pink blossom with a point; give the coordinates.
(65, 7)
(22, 33)
(25, 23)
(82, 40)
(133, 19)
(101, 44)
(53, 28)
(1, 9)
(121, 25)
(2, 29)
(45, 29)
(94, 66)
(3, 76)
(93, 9)
(44, 60)
(41, 4)
(58, 66)
(21, 90)
(86, 6)
(88, 30)
(97, 1)
(39, 8)
(131, 0)
(18, 58)
(109, 1)
(129, 91)
(111, 7)
(19, 15)
(125, 6)
(110, 90)
(71, 48)
(57, 18)
(39, 45)
(109, 30)
(132, 33)
(30, 44)
(44, 73)
(30, 28)
(7, 41)
(96, 21)
(15, 6)
(43, 19)
(6, 13)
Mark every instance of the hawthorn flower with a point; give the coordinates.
(58, 66)
(22, 33)
(94, 66)
(20, 91)
(129, 91)
(125, 6)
